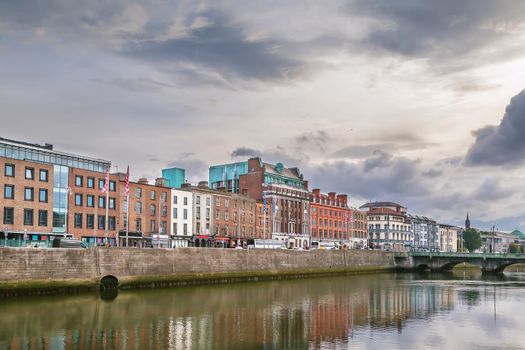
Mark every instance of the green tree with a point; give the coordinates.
(472, 239)
(515, 248)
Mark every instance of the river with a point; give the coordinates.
(376, 311)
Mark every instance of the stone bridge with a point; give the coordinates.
(437, 261)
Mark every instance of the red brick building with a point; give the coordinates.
(330, 217)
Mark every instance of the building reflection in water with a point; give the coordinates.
(284, 314)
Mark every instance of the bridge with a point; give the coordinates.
(438, 261)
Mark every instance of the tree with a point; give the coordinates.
(515, 248)
(472, 239)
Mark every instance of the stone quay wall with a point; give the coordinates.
(31, 269)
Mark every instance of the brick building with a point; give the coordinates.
(358, 228)
(284, 191)
(149, 208)
(329, 217)
(39, 194)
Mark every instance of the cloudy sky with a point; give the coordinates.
(418, 102)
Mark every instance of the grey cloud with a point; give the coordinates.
(447, 31)
(196, 169)
(220, 46)
(490, 190)
(245, 152)
(432, 173)
(137, 85)
(317, 139)
(503, 144)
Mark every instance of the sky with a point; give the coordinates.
(416, 102)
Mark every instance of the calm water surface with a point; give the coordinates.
(385, 311)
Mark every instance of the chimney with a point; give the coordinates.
(160, 181)
(316, 192)
(203, 184)
(331, 195)
(186, 185)
(143, 181)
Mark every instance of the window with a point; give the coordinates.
(9, 191)
(217, 213)
(198, 200)
(185, 214)
(226, 203)
(42, 218)
(207, 213)
(164, 211)
(112, 186)
(152, 209)
(112, 203)
(42, 195)
(78, 199)
(164, 197)
(174, 213)
(138, 207)
(29, 194)
(174, 199)
(101, 222)
(78, 220)
(112, 223)
(9, 170)
(101, 202)
(44, 175)
(138, 225)
(163, 227)
(208, 201)
(174, 231)
(90, 182)
(79, 180)
(9, 216)
(152, 226)
(90, 221)
(217, 201)
(90, 201)
(185, 200)
(30, 173)
(152, 195)
(138, 192)
(185, 229)
(101, 183)
(28, 217)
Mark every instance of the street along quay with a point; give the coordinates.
(29, 271)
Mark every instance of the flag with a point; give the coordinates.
(105, 189)
(126, 186)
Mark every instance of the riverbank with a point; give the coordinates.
(28, 271)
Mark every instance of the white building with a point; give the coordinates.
(448, 236)
(181, 218)
(425, 232)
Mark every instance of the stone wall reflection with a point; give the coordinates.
(284, 314)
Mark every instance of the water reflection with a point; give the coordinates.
(297, 314)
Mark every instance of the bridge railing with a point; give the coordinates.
(468, 255)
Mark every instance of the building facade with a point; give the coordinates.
(181, 218)
(388, 226)
(426, 233)
(40, 198)
(282, 191)
(448, 236)
(358, 229)
(329, 218)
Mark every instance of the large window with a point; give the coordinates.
(9, 191)
(112, 186)
(152, 226)
(78, 199)
(174, 199)
(185, 214)
(29, 194)
(78, 220)
(44, 175)
(42, 218)
(152, 195)
(90, 201)
(138, 192)
(112, 203)
(138, 207)
(90, 221)
(152, 209)
(101, 202)
(112, 223)
(138, 225)
(9, 216)
(28, 217)
(101, 222)
(90, 182)
(9, 170)
(30, 173)
(185, 200)
(42, 195)
(174, 213)
(79, 181)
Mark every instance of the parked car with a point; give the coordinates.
(61, 242)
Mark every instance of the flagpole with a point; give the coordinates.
(127, 219)
(107, 214)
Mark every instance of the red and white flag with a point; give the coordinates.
(105, 189)
(126, 186)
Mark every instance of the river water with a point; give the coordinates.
(377, 311)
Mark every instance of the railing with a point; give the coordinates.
(469, 255)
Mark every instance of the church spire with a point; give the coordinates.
(467, 222)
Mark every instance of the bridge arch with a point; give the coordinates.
(500, 268)
(451, 264)
(422, 267)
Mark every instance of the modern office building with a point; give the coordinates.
(388, 226)
(175, 177)
(45, 193)
(329, 218)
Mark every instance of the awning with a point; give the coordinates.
(222, 238)
(202, 237)
(132, 234)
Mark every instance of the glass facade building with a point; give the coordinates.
(227, 175)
